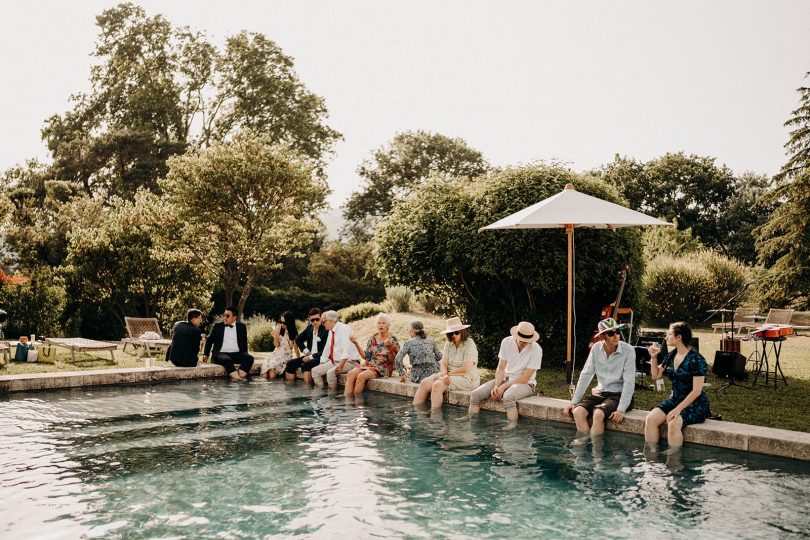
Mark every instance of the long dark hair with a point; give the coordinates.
(465, 335)
(289, 322)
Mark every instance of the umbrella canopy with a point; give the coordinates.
(569, 209)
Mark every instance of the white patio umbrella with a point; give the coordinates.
(569, 209)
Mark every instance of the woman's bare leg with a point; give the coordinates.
(351, 377)
(437, 395)
(652, 425)
(423, 391)
(365, 375)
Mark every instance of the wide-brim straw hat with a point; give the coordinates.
(454, 324)
(524, 331)
(608, 324)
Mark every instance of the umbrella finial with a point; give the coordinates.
(569, 186)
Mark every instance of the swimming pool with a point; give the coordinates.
(266, 460)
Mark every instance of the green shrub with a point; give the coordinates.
(399, 298)
(260, 333)
(360, 311)
(36, 307)
(429, 302)
(271, 303)
(686, 288)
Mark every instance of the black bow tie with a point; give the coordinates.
(228, 326)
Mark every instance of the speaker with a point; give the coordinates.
(643, 360)
(729, 364)
(695, 343)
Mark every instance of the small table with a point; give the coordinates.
(764, 362)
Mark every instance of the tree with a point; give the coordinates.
(430, 244)
(749, 207)
(242, 206)
(784, 241)
(691, 189)
(157, 89)
(408, 161)
(343, 271)
(117, 260)
(669, 241)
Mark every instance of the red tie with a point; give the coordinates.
(332, 348)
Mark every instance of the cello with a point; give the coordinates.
(613, 310)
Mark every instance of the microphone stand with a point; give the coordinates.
(732, 301)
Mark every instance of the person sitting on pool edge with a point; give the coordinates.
(228, 339)
(186, 336)
(688, 403)
(613, 361)
(519, 358)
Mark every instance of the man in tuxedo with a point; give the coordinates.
(310, 343)
(229, 341)
(186, 337)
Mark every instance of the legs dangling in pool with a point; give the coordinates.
(356, 380)
(652, 428)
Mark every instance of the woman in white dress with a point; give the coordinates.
(284, 335)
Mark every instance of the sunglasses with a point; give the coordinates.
(456, 333)
(611, 333)
(315, 319)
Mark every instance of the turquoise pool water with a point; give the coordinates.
(268, 460)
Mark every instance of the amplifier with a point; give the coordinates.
(729, 364)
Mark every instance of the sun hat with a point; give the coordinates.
(607, 325)
(454, 324)
(524, 331)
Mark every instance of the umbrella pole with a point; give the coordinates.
(569, 231)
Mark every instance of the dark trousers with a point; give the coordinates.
(227, 360)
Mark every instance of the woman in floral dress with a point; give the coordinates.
(423, 354)
(688, 403)
(380, 352)
(284, 335)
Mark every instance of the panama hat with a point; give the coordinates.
(607, 325)
(454, 324)
(524, 331)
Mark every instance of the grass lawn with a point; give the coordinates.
(783, 408)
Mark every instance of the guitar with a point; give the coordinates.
(613, 310)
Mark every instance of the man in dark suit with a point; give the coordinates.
(229, 341)
(310, 343)
(186, 337)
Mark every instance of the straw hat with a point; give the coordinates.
(524, 331)
(608, 324)
(454, 324)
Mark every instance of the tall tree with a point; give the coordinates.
(155, 89)
(691, 189)
(243, 206)
(784, 241)
(408, 161)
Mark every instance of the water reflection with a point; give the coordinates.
(272, 459)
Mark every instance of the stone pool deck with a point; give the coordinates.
(762, 440)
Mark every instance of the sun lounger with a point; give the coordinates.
(82, 345)
(141, 331)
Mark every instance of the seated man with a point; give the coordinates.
(339, 354)
(229, 341)
(614, 363)
(518, 360)
(186, 337)
(310, 342)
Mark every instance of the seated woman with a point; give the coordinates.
(284, 335)
(422, 352)
(380, 352)
(688, 403)
(458, 369)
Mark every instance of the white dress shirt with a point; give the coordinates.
(344, 348)
(229, 341)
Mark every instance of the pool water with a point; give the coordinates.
(269, 460)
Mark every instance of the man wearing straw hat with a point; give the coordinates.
(613, 361)
(518, 360)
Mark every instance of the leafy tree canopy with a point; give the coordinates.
(407, 162)
(430, 243)
(243, 206)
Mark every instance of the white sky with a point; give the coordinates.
(520, 81)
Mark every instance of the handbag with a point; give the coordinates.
(21, 353)
(47, 353)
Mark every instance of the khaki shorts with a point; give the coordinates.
(607, 401)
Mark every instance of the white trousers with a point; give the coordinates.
(329, 370)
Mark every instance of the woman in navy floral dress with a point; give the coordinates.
(687, 404)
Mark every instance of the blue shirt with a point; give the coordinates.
(616, 374)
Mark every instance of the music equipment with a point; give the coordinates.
(613, 310)
(729, 344)
(772, 331)
(729, 364)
